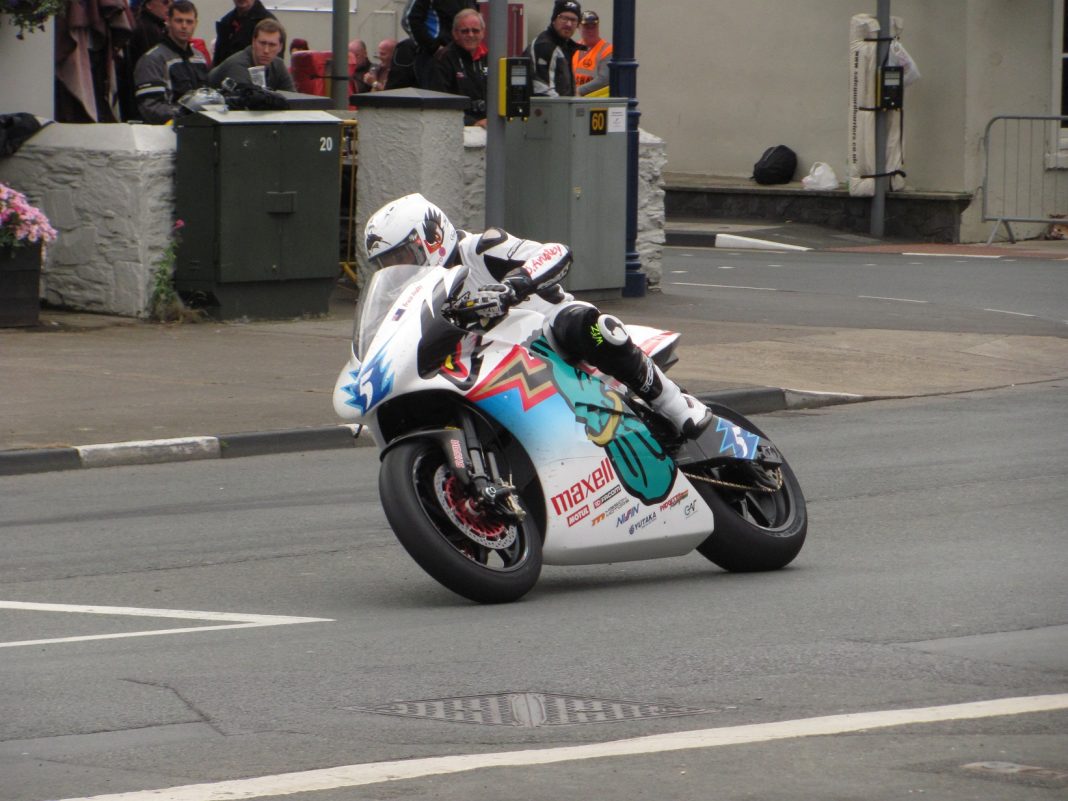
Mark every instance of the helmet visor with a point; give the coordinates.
(410, 251)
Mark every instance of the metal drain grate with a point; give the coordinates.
(527, 710)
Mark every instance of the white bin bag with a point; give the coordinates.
(863, 71)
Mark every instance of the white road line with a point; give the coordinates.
(952, 255)
(345, 776)
(231, 620)
(902, 300)
(727, 286)
(1005, 311)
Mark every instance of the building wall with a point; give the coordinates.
(30, 61)
(720, 80)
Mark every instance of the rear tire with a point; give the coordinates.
(754, 530)
(481, 557)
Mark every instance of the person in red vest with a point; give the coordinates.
(591, 65)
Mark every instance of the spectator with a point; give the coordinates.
(552, 50)
(298, 45)
(591, 66)
(151, 27)
(359, 64)
(402, 68)
(267, 43)
(429, 22)
(378, 76)
(233, 33)
(171, 68)
(463, 68)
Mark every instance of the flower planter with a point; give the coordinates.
(20, 279)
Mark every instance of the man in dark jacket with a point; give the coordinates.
(267, 43)
(233, 33)
(171, 68)
(462, 70)
(552, 50)
(429, 22)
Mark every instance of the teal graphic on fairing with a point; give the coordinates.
(642, 465)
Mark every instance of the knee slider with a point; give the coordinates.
(612, 330)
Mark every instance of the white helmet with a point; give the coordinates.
(409, 230)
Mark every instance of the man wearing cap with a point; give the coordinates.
(552, 50)
(591, 65)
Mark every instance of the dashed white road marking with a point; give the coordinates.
(345, 776)
(727, 286)
(1006, 311)
(951, 255)
(902, 300)
(227, 620)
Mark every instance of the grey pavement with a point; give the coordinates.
(85, 390)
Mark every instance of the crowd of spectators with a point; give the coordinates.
(445, 50)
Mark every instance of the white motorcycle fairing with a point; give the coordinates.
(611, 493)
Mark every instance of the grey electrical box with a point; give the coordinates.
(258, 193)
(565, 181)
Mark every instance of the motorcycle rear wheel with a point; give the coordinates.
(754, 530)
(446, 539)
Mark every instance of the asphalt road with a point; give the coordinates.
(933, 576)
(870, 290)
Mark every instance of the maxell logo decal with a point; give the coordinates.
(649, 518)
(674, 500)
(610, 494)
(577, 516)
(580, 490)
(615, 506)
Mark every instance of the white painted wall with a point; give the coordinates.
(25, 71)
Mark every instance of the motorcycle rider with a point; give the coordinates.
(505, 271)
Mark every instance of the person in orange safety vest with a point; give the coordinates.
(591, 65)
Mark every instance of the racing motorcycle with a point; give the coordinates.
(499, 456)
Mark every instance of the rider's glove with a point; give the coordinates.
(492, 300)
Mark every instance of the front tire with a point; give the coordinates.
(754, 530)
(482, 557)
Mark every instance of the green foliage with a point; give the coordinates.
(164, 304)
(30, 15)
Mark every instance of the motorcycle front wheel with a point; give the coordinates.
(755, 529)
(481, 556)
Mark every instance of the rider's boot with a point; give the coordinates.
(689, 416)
(610, 348)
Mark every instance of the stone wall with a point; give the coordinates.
(108, 190)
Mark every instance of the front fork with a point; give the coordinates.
(476, 469)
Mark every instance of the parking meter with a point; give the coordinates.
(516, 86)
(890, 87)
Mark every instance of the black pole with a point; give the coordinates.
(623, 82)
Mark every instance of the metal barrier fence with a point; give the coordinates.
(1024, 177)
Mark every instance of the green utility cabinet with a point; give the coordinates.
(258, 193)
(565, 181)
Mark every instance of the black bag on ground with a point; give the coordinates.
(776, 166)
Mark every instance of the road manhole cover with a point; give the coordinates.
(527, 710)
